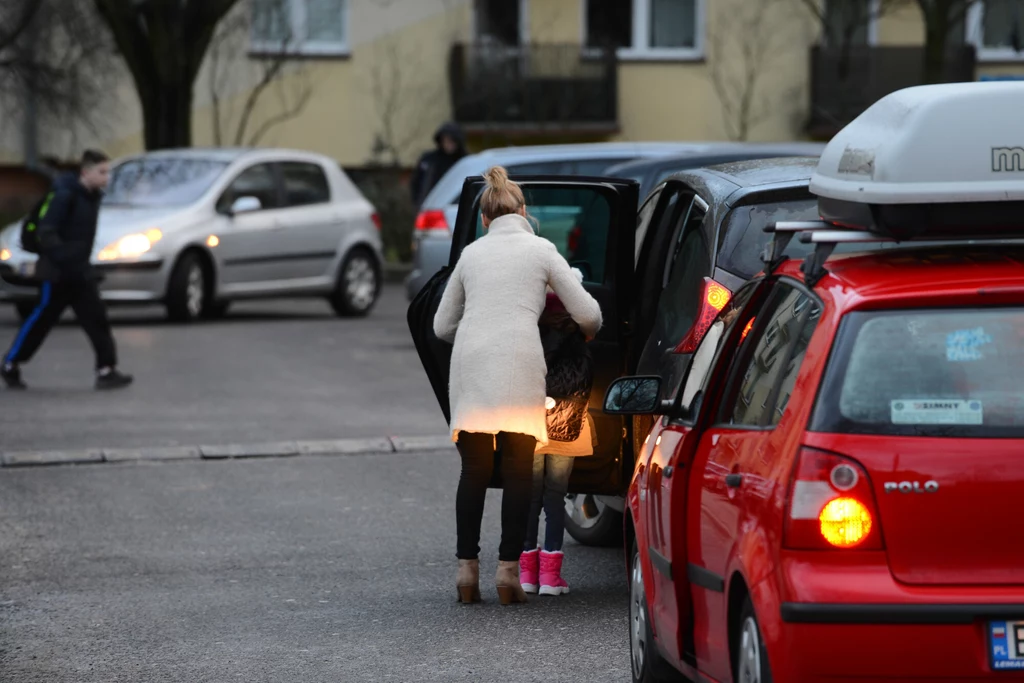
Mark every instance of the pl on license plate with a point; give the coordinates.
(27, 269)
(1006, 644)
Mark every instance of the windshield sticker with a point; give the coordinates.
(965, 345)
(936, 412)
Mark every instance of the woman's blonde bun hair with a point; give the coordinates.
(501, 196)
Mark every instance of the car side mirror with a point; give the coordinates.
(633, 396)
(245, 205)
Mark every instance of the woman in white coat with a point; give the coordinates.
(489, 310)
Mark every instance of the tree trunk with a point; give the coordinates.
(937, 24)
(166, 114)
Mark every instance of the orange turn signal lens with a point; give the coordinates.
(717, 296)
(845, 522)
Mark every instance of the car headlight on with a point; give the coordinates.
(5, 254)
(130, 246)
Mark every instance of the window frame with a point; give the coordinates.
(275, 173)
(741, 361)
(301, 47)
(974, 26)
(641, 49)
(281, 173)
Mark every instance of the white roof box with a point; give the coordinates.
(957, 143)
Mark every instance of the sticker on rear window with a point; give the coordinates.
(965, 345)
(936, 412)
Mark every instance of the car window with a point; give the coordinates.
(575, 220)
(304, 184)
(643, 221)
(742, 236)
(796, 359)
(769, 359)
(256, 181)
(689, 224)
(594, 167)
(161, 181)
(540, 168)
(710, 347)
(945, 372)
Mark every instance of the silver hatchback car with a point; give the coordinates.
(196, 229)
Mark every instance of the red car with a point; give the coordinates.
(836, 490)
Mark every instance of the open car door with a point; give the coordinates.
(592, 222)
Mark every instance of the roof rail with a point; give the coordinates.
(825, 236)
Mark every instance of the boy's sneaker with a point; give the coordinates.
(529, 567)
(112, 379)
(551, 581)
(11, 375)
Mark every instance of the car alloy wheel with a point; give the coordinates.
(360, 282)
(195, 290)
(591, 521)
(637, 618)
(751, 659)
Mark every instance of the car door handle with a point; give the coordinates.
(733, 480)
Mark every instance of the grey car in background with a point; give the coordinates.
(195, 229)
(432, 238)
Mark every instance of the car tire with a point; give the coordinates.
(358, 286)
(188, 290)
(592, 522)
(646, 663)
(24, 309)
(751, 658)
(216, 310)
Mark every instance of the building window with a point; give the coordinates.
(996, 28)
(646, 29)
(315, 27)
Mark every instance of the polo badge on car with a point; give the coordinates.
(930, 486)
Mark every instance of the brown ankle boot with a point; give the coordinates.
(507, 580)
(468, 581)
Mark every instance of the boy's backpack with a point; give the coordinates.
(30, 226)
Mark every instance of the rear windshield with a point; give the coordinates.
(954, 372)
(742, 237)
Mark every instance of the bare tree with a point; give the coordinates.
(407, 98)
(842, 20)
(164, 43)
(274, 71)
(745, 40)
(54, 60)
(940, 17)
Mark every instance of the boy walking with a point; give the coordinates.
(66, 232)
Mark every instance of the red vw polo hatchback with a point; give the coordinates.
(835, 491)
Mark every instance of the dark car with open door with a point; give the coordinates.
(661, 277)
(604, 211)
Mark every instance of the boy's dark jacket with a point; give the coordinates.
(569, 380)
(67, 232)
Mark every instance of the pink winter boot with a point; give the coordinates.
(528, 568)
(551, 581)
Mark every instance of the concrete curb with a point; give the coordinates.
(370, 446)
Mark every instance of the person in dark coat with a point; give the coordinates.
(66, 235)
(570, 378)
(450, 146)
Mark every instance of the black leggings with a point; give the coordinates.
(477, 451)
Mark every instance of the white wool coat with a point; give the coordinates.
(489, 310)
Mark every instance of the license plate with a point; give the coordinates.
(1006, 644)
(27, 269)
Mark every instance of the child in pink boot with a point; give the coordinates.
(570, 434)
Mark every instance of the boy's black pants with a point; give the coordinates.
(83, 296)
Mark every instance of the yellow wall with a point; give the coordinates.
(555, 21)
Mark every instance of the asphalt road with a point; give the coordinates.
(307, 569)
(272, 371)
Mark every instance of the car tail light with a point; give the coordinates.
(831, 505)
(431, 220)
(713, 299)
(376, 221)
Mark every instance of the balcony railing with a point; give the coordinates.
(844, 85)
(534, 87)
